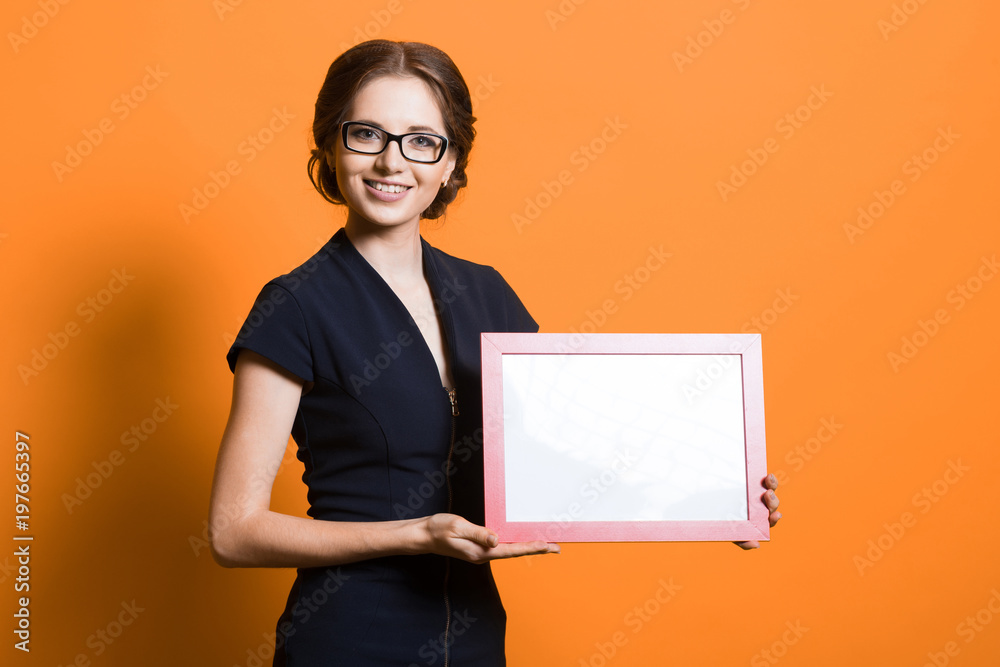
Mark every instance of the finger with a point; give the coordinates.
(746, 546)
(525, 548)
(482, 536)
(466, 530)
(770, 482)
(773, 517)
(770, 500)
(516, 549)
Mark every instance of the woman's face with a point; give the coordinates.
(397, 105)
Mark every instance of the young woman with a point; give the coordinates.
(368, 354)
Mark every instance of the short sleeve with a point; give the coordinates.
(276, 329)
(519, 320)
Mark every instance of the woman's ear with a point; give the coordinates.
(452, 161)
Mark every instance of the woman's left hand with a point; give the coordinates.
(770, 500)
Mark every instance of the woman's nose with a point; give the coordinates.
(391, 159)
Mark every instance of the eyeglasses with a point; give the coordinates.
(420, 147)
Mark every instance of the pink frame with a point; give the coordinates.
(748, 346)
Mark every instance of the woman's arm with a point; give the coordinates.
(244, 532)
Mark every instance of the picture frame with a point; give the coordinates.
(584, 441)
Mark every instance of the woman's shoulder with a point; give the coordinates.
(447, 263)
(462, 276)
(311, 275)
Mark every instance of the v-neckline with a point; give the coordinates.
(433, 283)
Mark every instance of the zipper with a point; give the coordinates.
(447, 562)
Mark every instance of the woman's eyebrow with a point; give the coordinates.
(412, 128)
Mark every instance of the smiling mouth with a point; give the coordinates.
(385, 187)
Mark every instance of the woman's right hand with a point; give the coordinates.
(451, 535)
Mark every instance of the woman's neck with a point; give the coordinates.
(395, 252)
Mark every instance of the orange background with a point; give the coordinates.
(857, 587)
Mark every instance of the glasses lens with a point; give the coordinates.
(422, 147)
(365, 138)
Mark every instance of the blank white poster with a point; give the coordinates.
(624, 437)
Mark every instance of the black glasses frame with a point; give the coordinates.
(398, 138)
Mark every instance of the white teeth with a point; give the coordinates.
(384, 187)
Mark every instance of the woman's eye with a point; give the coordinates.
(423, 141)
(366, 134)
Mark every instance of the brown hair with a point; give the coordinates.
(379, 57)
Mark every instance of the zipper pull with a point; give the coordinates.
(454, 402)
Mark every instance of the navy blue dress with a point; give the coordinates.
(380, 441)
